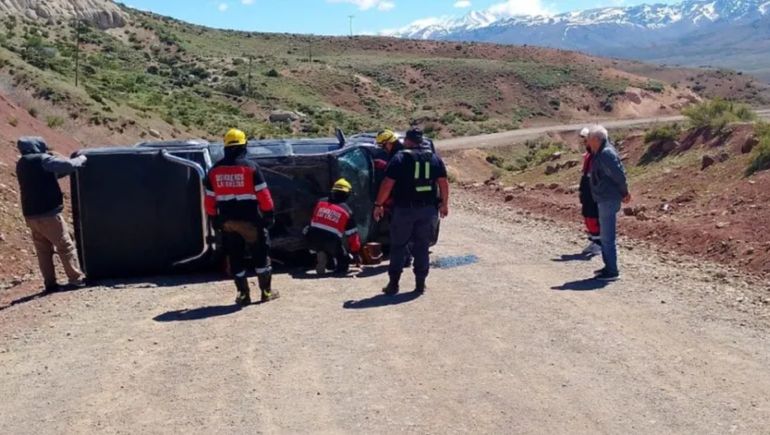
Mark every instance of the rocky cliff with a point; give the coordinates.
(102, 13)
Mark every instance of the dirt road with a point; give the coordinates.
(513, 344)
(517, 136)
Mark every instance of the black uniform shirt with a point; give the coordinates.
(409, 176)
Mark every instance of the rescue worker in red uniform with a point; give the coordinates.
(332, 223)
(240, 205)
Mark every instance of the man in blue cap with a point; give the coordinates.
(416, 179)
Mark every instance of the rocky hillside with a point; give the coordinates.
(161, 77)
(699, 188)
(103, 14)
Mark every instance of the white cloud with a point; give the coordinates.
(364, 5)
(462, 4)
(512, 8)
(247, 2)
(223, 7)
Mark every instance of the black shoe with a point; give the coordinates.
(600, 271)
(269, 295)
(419, 288)
(391, 289)
(243, 300)
(244, 292)
(608, 277)
(266, 287)
(52, 288)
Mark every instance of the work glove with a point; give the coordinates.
(79, 161)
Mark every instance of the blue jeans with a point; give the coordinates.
(411, 229)
(608, 220)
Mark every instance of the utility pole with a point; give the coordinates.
(77, 52)
(350, 17)
(248, 89)
(310, 50)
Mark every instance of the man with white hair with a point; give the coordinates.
(589, 208)
(609, 187)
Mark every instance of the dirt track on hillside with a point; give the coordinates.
(517, 136)
(516, 343)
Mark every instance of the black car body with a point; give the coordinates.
(139, 210)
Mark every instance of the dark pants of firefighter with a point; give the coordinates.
(411, 228)
(240, 238)
(324, 241)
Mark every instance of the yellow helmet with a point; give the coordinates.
(386, 136)
(235, 137)
(342, 185)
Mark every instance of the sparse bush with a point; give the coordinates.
(54, 121)
(273, 73)
(760, 159)
(663, 133)
(13, 122)
(33, 112)
(717, 114)
(654, 86)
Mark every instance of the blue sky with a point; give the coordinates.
(330, 17)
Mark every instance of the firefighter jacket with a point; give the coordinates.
(337, 219)
(236, 190)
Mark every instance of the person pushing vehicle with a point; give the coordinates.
(332, 223)
(241, 206)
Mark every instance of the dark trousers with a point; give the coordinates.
(411, 229)
(323, 241)
(240, 238)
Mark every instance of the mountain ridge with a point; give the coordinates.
(653, 33)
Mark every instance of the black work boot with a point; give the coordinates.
(265, 285)
(392, 288)
(244, 292)
(420, 286)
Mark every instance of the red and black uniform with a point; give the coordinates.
(590, 208)
(332, 223)
(240, 204)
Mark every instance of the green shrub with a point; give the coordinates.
(663, 133)
(717, 114)
(760, 159)
(54, 121)
(654, 86)
(33, 112)
(273, 73)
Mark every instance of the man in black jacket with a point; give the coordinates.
(42, 203)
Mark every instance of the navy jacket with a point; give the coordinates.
(608, 176)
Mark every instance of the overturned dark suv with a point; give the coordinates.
(139, 210)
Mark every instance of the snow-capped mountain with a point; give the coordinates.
(658, 16)
(694, 32)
